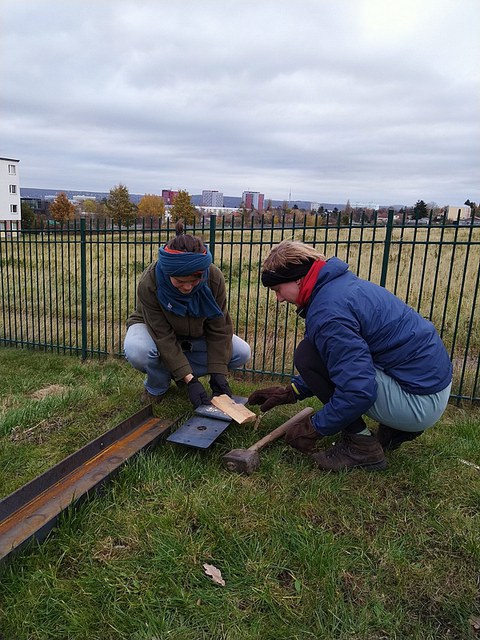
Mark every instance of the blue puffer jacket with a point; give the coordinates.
(357, 327)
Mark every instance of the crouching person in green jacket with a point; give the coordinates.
(181, 328)
(365, 352)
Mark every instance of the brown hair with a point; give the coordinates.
(290, 252)
(185, 242)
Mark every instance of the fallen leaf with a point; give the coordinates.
(475, 622)
(214, 573)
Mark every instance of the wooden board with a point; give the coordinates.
(236, 411)
(210, 411)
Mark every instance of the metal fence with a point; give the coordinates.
(71, 290)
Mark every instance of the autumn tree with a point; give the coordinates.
(119, 206)
(61, 209)
(151, 206)
(90, 206)
(183, 208)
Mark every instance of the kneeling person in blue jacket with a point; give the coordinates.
(365, 352)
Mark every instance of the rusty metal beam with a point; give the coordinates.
(32, 510)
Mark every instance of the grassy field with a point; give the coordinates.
(358, 556)
(435, 270)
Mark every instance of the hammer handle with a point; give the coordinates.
(281, 430)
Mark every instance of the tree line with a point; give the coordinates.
(117, 206)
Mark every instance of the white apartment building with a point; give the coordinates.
(458, 211)
(212, 199)
(10, 210)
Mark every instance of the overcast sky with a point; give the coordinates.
(372, 101)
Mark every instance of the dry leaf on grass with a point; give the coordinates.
(475, 622)
(214, 573)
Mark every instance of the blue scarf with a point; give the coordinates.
(200, 302)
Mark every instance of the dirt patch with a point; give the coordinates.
(51, 390)
(110, 548)
(39, 433)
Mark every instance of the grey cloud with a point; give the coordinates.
(278, 95)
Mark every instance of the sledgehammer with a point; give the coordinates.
(247, 460)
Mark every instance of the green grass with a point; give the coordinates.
(357, 556)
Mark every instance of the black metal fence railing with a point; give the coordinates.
(71, 289)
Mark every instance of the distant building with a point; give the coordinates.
(458, 212)
(212, 199)
(39, 206)
(314, 206)
(253, 200)
(169, 196)
(208, 212)
(10, 210)
(365, 205)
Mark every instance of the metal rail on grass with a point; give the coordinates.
(32, 511)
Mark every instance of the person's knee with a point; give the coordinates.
(241, 353)
(139, 353)
(245, 353)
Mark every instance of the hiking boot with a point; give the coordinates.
(391, 438)
(352, 451)
(149, 398)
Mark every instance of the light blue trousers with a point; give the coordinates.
(405, 411)
(141, 352)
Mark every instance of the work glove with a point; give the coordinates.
(219, 385)
(303, 435)
(272, 397)
(197, 393)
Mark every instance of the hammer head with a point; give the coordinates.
(242, 461)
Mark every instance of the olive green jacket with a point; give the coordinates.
(169, 330)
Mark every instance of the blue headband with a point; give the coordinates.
(183, 264)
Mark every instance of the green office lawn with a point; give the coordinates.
(303, 554)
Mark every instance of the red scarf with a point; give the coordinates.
(308, 282)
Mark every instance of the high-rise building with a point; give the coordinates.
(253, 200)
(212, 199)
(169, 196)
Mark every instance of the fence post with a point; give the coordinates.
(213, 228)
(83, 284)
(386, 249)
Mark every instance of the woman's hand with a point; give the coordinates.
(219, 385)
(197, 393)
(272, 397)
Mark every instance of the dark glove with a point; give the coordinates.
(219, 385)
(197, 393)
(273, 396)
(303, 435)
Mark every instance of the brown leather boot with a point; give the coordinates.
(149, 398)
(351, 452)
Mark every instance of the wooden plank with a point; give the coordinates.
(210, 411)
(236, 411)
